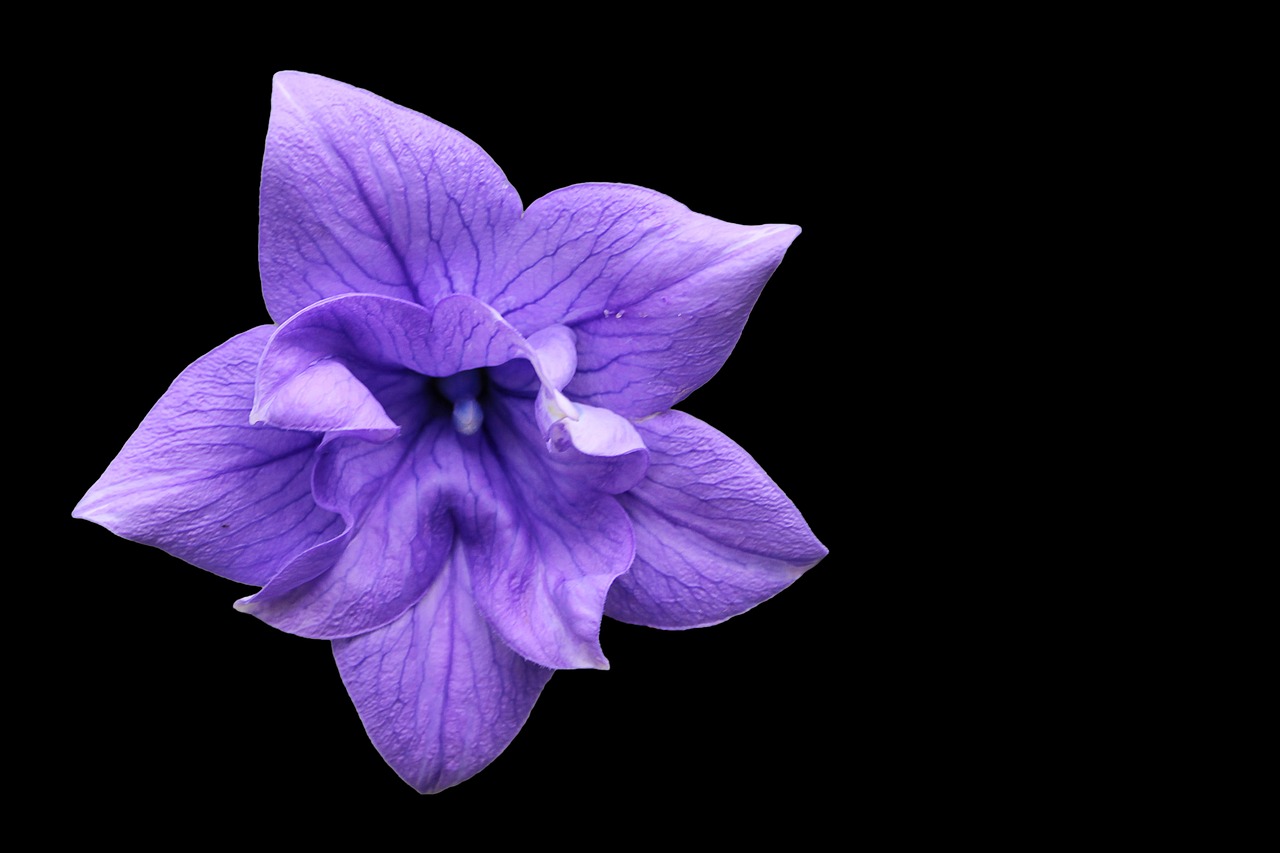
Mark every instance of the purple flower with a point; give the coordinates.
(455, 449)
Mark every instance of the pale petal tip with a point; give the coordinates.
(91, 508)
(282, 80)
(599, 662)
(784, 234)
(816, 552)
(581, 656)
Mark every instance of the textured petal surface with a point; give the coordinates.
(401, 501)
(325, 397)
(440, 695)
(198, 480)
(714, 535)
(361, 195)
(557, 357)
(543, 564)
(657, 295)
(443, 463)
(396, 499)
(372, 334)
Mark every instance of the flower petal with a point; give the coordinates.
(557, 353)
(439, 694)
(543, 565)
(198, 480)
(372, 334)
(396, 499)
(361, 195)
(325, 397)
(658, 295)
(603, 448)
(403, 396)
(714, 535)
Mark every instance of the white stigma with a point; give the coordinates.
(467, 416)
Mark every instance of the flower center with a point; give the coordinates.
(463, 389)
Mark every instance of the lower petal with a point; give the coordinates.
(544, 563)
(439, 693)
(714, 535)
(395, 498)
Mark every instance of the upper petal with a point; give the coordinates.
(198, 480)
(439, 694)
(657, 294)
(370, 335)
(714, 535)
(361, 195)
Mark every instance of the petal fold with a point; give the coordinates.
(199, 481)
(543, 562)
(714, 535)
(603, 448)
(325, 397)
(557, 359)
(372, 334)
(556, 347)
(361, 195)
(396, 500)
(439, 694)
(656, 294)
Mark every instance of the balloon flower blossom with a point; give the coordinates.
(454, 450)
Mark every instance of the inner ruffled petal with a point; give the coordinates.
(325, 397)
(368, 334)
(397, 500)
(543, 538)
(524, 481)
(598, 446)
(542, 565)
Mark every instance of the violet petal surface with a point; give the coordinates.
(199, 481)
(455, 452)
(439, 694)
(360, 195)
(714, 535)
(657, 294)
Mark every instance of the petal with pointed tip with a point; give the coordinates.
(362, 195)
(198, 480)
(657, 294)
(714, 535)
(439, 693)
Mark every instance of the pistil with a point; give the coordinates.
(461, 389)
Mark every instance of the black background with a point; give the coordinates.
(167, 696)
